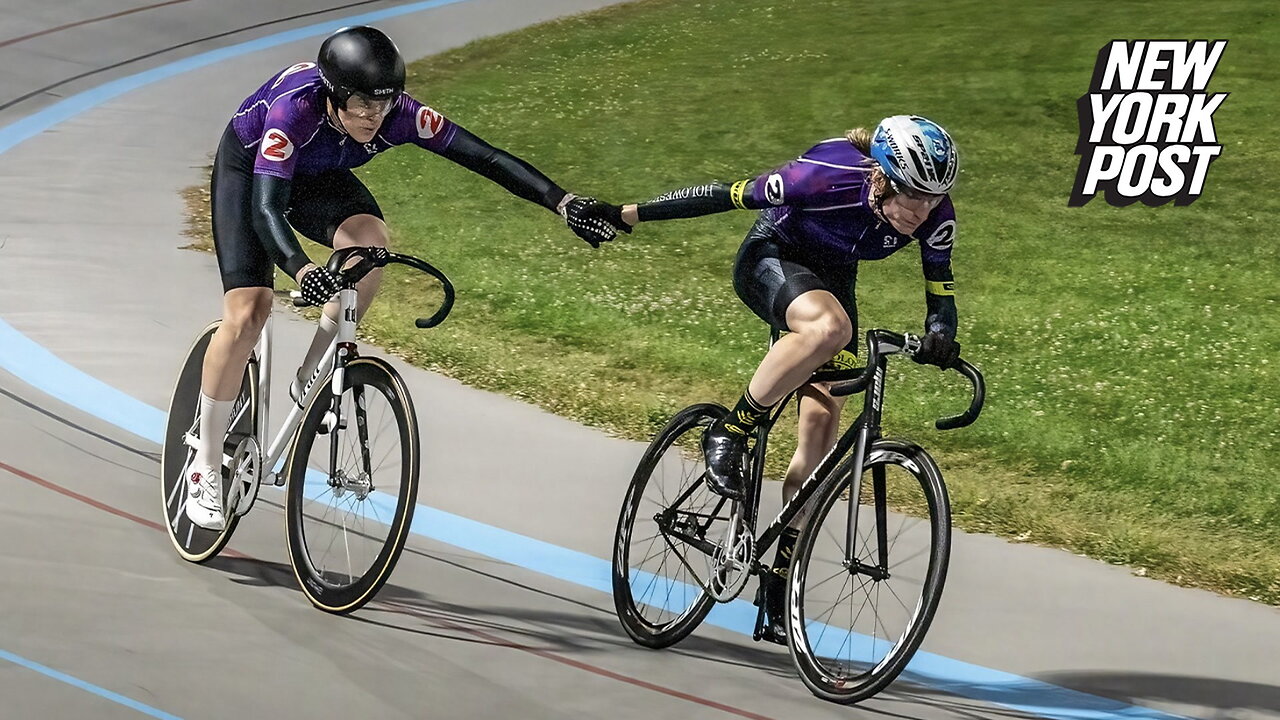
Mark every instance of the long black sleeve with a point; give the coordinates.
(515, 175)
(940, 299)
(698, 200)
(270, 200)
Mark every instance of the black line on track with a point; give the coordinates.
(87, 21)
(152, 456)
(10, 103)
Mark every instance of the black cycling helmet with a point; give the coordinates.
(360, 60)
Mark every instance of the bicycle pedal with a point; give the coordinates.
(773, 633)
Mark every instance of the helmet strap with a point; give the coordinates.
(334, 118)
(879, 192)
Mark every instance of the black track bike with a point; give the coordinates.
(869, 565)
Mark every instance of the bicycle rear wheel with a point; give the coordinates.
(853, 627)
(352, 488)
(196, 544)
(669, 520)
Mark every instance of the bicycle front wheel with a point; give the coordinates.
(352, 486)
(858, 610)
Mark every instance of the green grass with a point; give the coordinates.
(1131, 353)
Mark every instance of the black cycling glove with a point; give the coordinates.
(319, 286)
(937, 349)
(611, 214)
(586, 225)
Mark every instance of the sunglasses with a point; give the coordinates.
(913, 194)
(365, 107)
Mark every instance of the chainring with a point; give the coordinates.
(246, 472)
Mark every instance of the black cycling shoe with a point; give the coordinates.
(723, 451)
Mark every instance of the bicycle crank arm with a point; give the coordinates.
(758, 633)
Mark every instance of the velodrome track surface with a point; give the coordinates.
(498, 611)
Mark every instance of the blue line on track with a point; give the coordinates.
(63, 110)
(87, 687)
(43, 370)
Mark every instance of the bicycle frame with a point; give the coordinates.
(341, 349)
(859, 436)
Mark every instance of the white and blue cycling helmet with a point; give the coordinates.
(916, 154)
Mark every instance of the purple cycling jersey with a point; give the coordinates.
(287, 121)
(819, 204)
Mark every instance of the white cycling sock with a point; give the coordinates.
(215, 418)
(328, 327)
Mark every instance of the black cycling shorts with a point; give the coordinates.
(318, 204)
(769, 275)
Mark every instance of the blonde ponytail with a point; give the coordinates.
(861, 139)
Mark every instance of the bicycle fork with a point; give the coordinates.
(866, 435)
(345, 352)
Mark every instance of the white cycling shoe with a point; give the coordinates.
(204, 497)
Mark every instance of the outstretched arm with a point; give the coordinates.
(513, 174)
(523, 180)
(798, 183)
(695, 202)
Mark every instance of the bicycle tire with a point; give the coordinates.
(821, 680)
(361, 375)
(630, 609)
(195, 544)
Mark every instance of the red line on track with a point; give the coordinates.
(82, 498)
(99, 505)
(444, 623)
(78, 23)
(406, 610)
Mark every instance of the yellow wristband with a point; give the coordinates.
(935, 287)
(735, 194)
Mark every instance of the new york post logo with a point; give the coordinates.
(1146, 125)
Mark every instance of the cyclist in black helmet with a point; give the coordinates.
(283, 164)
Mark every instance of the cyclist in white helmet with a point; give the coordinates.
(863, 196)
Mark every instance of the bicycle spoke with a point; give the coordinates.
(661, 551)
(825, 625)
(374, 507)
(643, 598)
(346, 546)
(842, 595)
(879, 621)
(653, 582)
(649, 538)
(382, 460)
(333, 537)
(896, 597)
(839, 573)
(853, 619)
(667, 600)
